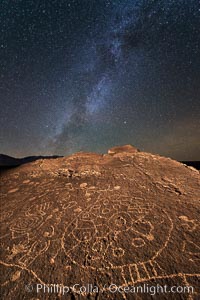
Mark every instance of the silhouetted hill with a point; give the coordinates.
(194, 164)
(7, 161)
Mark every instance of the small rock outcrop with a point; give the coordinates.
(121, 149)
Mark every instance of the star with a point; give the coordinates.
(82, 77)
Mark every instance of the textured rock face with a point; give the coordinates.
(122, 149)
(127, 217)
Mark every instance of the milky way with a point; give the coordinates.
(86, 75)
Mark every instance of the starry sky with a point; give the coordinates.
(86, 75)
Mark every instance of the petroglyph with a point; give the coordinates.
(110, 223)
(189, 225)
(13, 191)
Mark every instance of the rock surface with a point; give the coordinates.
(127, 218)
(121, 149)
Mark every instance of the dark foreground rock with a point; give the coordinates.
(126, 218)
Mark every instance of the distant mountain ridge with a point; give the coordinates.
(7, 161)
(194, 164)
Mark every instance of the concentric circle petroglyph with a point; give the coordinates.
(123, 231)
(25, 224)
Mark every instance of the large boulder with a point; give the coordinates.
(122, 149)
(91, 220)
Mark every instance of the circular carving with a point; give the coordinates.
(25, 224)
(124, 232)
(138, 242)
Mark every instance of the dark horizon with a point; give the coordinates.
(85, 76)
(27, 159)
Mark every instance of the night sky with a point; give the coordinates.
(86, 75)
